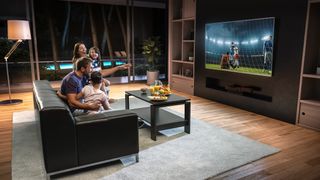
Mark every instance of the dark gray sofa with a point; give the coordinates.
(70, 143)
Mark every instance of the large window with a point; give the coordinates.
(117, 30)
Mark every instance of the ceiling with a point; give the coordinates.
(138, 3)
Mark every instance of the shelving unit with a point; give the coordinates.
(182, 45)
(308, 112)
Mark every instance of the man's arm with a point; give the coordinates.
(79, 95)
(107, 72)
(61, 95)
(72, 100)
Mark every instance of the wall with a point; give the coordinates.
(283, 86)
(12, 9)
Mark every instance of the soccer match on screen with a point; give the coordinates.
(244, 46)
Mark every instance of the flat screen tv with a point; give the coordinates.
(244, 46)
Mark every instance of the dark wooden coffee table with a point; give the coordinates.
(157, 118)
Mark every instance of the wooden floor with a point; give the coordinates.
(300, 148)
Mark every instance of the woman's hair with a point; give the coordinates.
(97, 51)
(96, 77)
(76, 54)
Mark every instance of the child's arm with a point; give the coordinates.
(105, 103)
(104, 84)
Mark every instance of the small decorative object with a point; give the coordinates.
(318, 70)
(188, 73)
(143, 90)
(190, 56)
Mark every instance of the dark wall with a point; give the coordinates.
(283, 86)
(12, 9)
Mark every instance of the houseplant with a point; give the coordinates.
(151, 49)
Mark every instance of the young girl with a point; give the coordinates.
(94, 54)
(92, 92)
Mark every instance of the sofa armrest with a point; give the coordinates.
(107, 135)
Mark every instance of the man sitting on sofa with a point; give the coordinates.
(73, 83)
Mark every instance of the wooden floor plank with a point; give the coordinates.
(299, 157)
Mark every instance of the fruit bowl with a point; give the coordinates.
(158, 98)
(160, 90)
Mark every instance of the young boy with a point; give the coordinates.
(93, 93)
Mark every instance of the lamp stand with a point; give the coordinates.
(10, 101)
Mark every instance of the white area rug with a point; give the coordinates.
(204, 153)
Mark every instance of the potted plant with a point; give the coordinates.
(151, 49)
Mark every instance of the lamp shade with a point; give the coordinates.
(18, 29)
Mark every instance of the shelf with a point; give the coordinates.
(183, 62)
(184, 19)
(182, 42)
(311, 102)
(308, 112)
(188, 41)
(316, 76)
(182, 77)
(176, 20)
(188, 19)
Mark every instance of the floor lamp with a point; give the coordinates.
(17, 30)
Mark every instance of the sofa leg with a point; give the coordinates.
(137, 157)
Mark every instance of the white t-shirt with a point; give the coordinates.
(90, 95)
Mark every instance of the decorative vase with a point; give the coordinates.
(152, 76)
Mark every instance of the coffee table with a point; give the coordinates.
(157, 118)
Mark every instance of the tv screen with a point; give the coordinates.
(244, 46)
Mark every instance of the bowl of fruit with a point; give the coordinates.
(160, 90)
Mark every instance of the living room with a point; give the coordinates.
(244, 123)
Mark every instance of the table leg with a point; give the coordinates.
(187, 106)
(127, 101)
(153, 127)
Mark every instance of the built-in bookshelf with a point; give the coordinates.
(182, 45)
(308, 112)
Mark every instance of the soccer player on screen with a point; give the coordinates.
(267, 53)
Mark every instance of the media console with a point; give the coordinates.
(235, 88)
